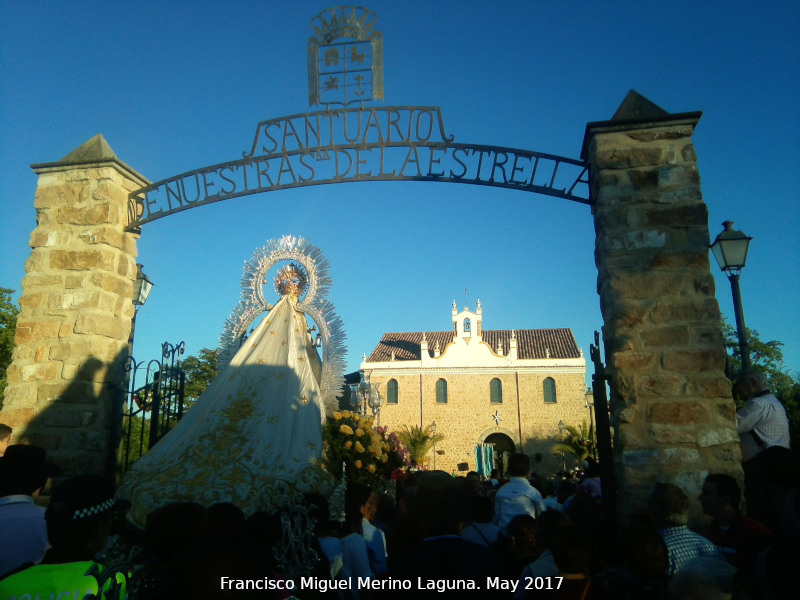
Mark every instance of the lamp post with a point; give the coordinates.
(141, 291)
(730, 251)
(561, 428)
(365, 396)
(433, 431)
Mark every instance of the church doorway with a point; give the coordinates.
(503, 448)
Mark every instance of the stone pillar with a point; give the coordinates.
(75, 310)
(672, 410)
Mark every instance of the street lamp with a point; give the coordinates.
(730, 250)
(433, 431)
(141, 288)
(364, 395)
(141, 291)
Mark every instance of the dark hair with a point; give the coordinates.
(225, 518)
(481, 509)
(643, 549)
(174, 527)
(726, 486)
(519, 525)
(5, 431)
(669, 505)
(573, 550)
(549, 526)
(519, 465)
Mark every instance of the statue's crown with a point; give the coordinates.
(343, 22)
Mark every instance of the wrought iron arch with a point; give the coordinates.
(395, 143)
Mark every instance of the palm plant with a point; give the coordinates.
(419, 441)
(574, 442)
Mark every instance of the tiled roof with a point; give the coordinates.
(531, 343)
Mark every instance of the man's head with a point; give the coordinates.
(24, 470)
(720, 493)
(748, 383)
(80, 515)
(669, 506)
(5, 438)
(519, 465)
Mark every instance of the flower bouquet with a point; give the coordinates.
(369, 454)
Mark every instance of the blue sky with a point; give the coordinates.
(181, 85)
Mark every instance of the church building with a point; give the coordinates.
(506, 388)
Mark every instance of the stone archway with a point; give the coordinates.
(671, 403)
(503, 447)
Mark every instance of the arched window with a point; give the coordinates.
(467, 325)
(549, 390)
(391, 390)
(496, 391)
(441, 391)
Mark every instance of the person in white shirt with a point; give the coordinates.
(763, 429)
(518, 496)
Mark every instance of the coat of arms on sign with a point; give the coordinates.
(345, 57)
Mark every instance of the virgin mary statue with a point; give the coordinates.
(254, 438)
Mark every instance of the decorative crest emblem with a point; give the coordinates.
(345, 57)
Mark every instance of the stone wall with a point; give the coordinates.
(671, 402)
(75, 310)
(467, 418)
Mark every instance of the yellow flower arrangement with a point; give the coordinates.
(354, 447)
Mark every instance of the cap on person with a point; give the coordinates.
(84, 496)
(24, 466)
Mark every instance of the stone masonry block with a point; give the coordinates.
(60, 195)
(113, 327)
(678, 216)
(679, 176)
(35, 280)
(710, 386)
(699, 310)
(624, 157)
(717, 437)
(667, 456)
(115, 285)
(104, 235)
(644, 178)
(690, 361)
(671, 335)
(31, 300)
(634, 361)
(42, 237)
(28, 332)
(669, 435)
(80, 260)
(667, 385)
(86, 215)
(676, 412)
(661, 133)
(74, 300)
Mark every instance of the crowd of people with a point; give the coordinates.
(518, 536)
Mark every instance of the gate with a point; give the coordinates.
(153, 401)
(603, 432)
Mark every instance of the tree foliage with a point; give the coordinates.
(580, 443)
(201, 370)
(8, 329)
(419, 441)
